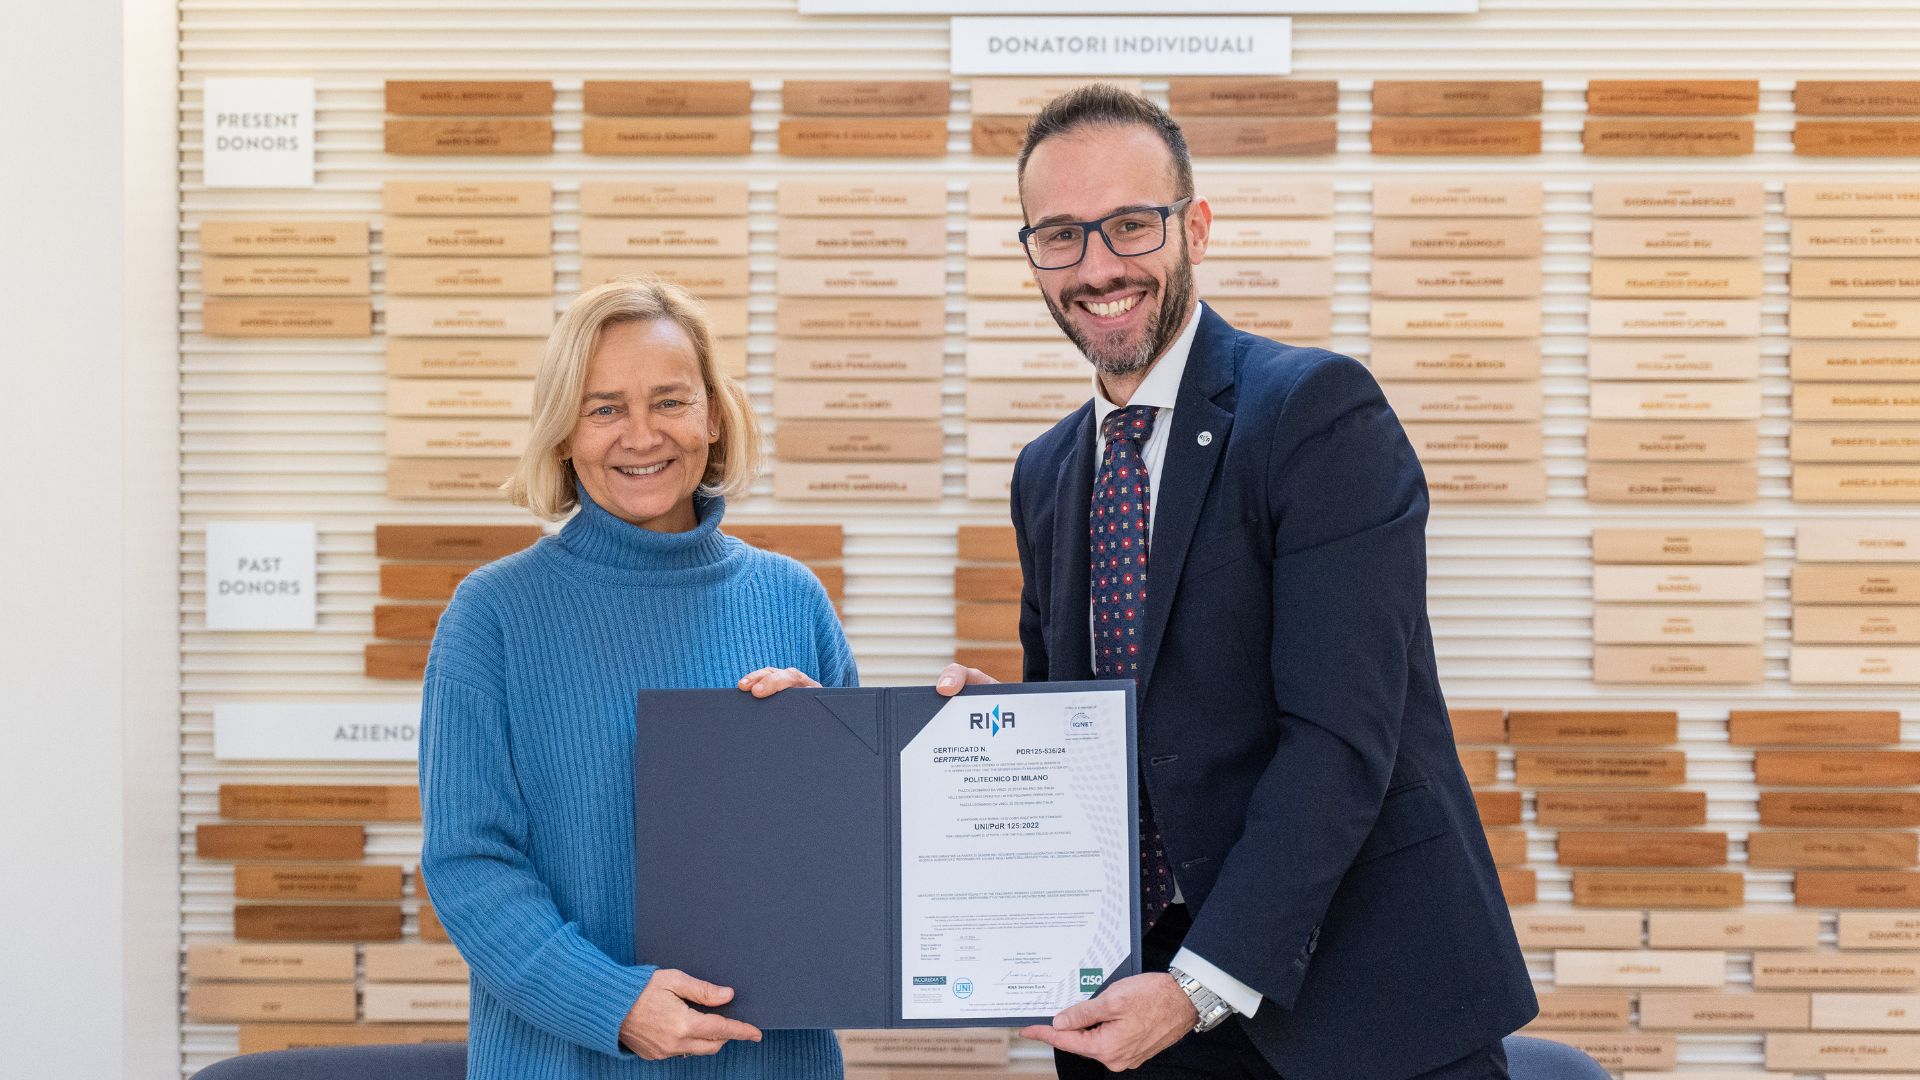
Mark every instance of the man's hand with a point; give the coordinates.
(958, 675)
(768, 681)
(662, 1023)
(1129, 1022)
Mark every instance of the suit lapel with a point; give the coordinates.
(1070, 640)
(1199, 434)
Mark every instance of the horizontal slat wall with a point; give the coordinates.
(294, 432)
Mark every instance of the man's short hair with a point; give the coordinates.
(1106, 105)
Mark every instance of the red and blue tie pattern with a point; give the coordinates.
(1122, 502)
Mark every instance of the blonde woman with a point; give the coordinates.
(526, 758)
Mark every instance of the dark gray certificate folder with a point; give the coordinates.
(767, 845)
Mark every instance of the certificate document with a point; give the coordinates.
(1017, 889)
(888, 857)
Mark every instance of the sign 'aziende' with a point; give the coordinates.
(1149, 46)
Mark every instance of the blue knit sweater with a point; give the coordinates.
(526, 775)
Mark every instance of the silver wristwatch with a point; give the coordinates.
(1211, 1007)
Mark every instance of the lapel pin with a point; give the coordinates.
(1206, 438)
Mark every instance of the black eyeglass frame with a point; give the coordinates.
(1098, 225)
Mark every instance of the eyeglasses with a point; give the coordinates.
(1128, 233)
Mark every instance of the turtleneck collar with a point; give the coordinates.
(603, 546)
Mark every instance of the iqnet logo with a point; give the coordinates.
(990, 722)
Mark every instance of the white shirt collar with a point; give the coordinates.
(1161, 387)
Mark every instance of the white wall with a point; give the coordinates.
(88, 664)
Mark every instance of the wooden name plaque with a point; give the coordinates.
(422, 581)
(865, 358)
(878, 482)
(469, 137)
(1578, 930)
(1478, 725)
(806, 543)
(1828, 849)
(1857, 138)
(480, 543)
(1248, 195)
(1482, 768)
(1409, 97)
(1663, 809)
(1025, 96)
(1818, 1052)
(279, 275)
(1473, 400)
(467, 236)
(1792, 727)
(663, 198)
(406, 622)
(1835, 809)
(1855, 318)
(447, 478)
(1892, 279)
(1000, 276)
(1692, 584)
(1642, 849)
(1836, 236)
(1476, 442)
(227, 1003)
(1857, 888)
(1858, 541)
(278, 238)
(1551, 768)
(1669, 625)
(1673, 97)
(1237, 136)
(317, 922)
(1288, 238)
(1027, 400)
(1667, 400)
(1828, 198)
(1640, 967)
(1830, 971)
(267, 881)
(863, 197)
(1281, 319)
(1678, 318)
(706, 278)
(1701, 358)
(1612, 545)
(1704, 236)
(1856, 583)
(1741, 930)
(1691, 198)
(1667, 138)
(387, 1002)
(1563, 1011)
(1837, 768)
(1232, 279)
(387, 660)
(997, 136)
(1240, 96)
(1671, 663)
(1856, 483)
(875, 318)
(466, 198)
(1632, 1051)
(1856, 361)
(270, 963)
(1461, 278)
(1822, 97)
(1489, 482)
(871, 97)
(1875, 930)
(1017, 320)
(414, 963)
(261, 1037)
(1659, 888)
(1497, 359)
(468, 98)
(319, 802)
(666, 136)
(286, 318)
(1454, 319)
(1458, 198)
(1592, 728)
(881, 236)
(463, 398)
(866, 277)
(1723, 1011)
(1672, 444)
(667, 97)
(1519, 885)
(1647, 278)
(435, 276)
(822, 400)
(1498, 237)
(1445, 138)
(864, 137)
(664, 236)
(1498, 807)
(220, 841)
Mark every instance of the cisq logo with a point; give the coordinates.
(990, 722)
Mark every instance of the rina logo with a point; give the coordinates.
(990, 722)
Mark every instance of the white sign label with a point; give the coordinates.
(1138, 7)
(314, 732)
(1140, 46)
(260, 577)
(257, 133)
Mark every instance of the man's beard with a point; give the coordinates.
(1119, 358)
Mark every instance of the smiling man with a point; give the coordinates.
(1238, 526)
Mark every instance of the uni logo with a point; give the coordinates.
(990, 722)
(1091, 980)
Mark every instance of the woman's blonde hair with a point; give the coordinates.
(542, 482)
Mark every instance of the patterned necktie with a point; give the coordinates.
(1122, 500)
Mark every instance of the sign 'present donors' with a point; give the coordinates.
(1122, 46)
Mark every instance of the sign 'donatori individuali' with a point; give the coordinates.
(1122, 46)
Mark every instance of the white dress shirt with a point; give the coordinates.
(1161, 388)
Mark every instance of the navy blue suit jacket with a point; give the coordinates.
(1293, 738)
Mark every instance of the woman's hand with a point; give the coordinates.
(769, 681)
(664, 1024)
(955, 677)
